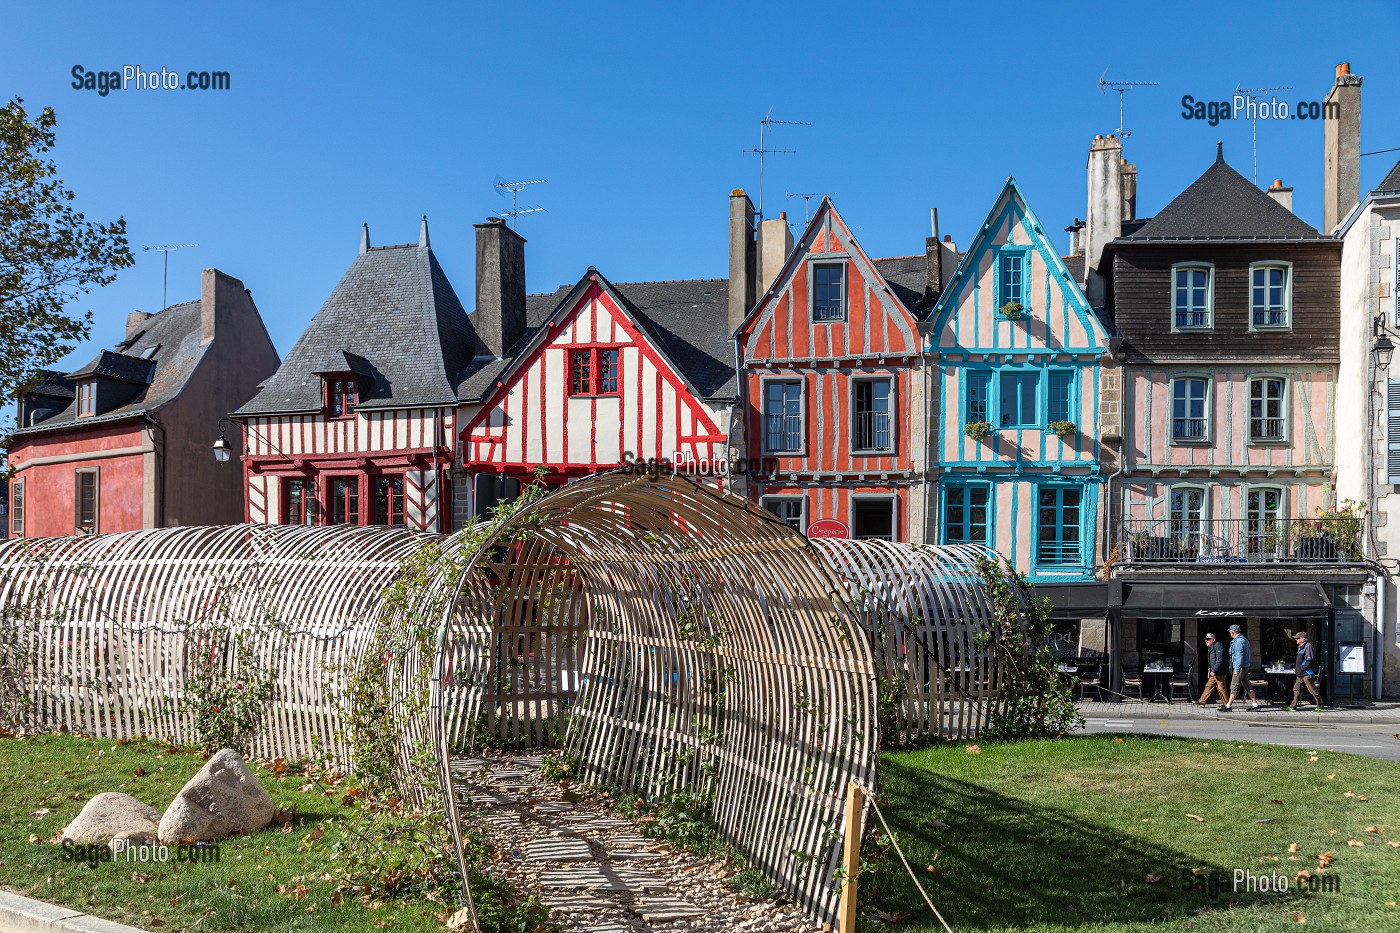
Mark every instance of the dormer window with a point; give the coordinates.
(148, 352)
(593, 371)
(87, 399)
(342, 395)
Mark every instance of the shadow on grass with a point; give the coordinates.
(1006, 863)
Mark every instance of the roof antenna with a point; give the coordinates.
(1249, 93)
(807, 197)
(763, 125)
(1122, 87)
(515, 187)
(165, 279)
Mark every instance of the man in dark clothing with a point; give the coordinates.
(1215, 670)
(1305, 667)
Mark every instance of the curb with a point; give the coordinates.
(26, 915)
(1243, 714)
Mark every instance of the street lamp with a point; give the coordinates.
(1383, 348)
(222, 450)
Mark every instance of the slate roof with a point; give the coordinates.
(907, 275)
(1391, 182)
(177, 332)
(50, 384)
(395, 319)
(687, 319)
(1075, 265)
(118, 366)
(1222, 205)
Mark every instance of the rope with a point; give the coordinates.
(900, 852)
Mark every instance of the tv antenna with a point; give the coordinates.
(1122, 87)
(165, 277)
(1249, 93)
(515, 187)
(807, 197)
(763, 126)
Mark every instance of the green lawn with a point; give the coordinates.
(1064, 835)
(240, 892)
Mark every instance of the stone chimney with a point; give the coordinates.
(423, 232)
(134, 320)
(364, 239)
(933, 261)
(221, 297)
(1341, 188)
(500, 288)
(1104, 220)
(1281, 194)
(743, 258)
(1128, 171)
(774, 247)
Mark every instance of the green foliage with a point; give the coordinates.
(227, 689)
(684, 817)
(1013, 310)
(1341, 524)
(1062, 428)
(977, 430)
(752, 884)
(52, 253)
(559, 767)
(1036, 700)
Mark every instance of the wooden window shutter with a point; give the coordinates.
(1392, 431)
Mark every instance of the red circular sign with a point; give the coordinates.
(828, 528)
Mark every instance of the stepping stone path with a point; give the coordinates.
(580, 859)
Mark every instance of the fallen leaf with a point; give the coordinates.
(1348, 794)
(934, 870)
(1355, 843)
(461, 920)
(1277, 803)
(1303, 875)
(972, 749)
(1152, 879)
(286, 827)
(1299, 918)
(140, 877)
(1198, 819)
(1324, 860)
(1331, 832)
(317, 833)
(34, 838)
(156, 922)
(1369, 829)
(1118, 739)
(1394, 845)
(937, 823)
(1293, 858)
(1268, 858)
(40, 813)
(1293, 847)
(1332, 776)
(1362, 797)
(1312, 758)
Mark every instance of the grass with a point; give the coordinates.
(1096, 833)
(239, 892)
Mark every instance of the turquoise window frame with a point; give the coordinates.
(984, 376)
(1028, 416)
(1023, 253)
(988, 525)
(1081, 539)
(1071, 395)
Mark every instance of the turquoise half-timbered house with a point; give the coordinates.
(1017, 350)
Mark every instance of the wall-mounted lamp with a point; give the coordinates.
(1381, 346)
(222, 449)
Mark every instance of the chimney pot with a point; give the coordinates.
(947, 238)
(1344, 69)
(1341, 148)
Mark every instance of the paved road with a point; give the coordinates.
(1374, 741)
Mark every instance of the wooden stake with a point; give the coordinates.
(850, 857)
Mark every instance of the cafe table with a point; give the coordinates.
(1280, 678)
(1156, 677)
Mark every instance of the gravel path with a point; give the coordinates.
(594, 870)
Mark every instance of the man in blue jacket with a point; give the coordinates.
(1304, 669)
(1239, 661)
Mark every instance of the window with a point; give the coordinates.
(829, 291)
(872, 517)
(1264, 507)
(979, 396)
(150, 351)
(1057, 538)
(1011, 275)
(1186, 510)
(299, 507)
(1192, 297)
(593, 372)
(1266, 415)
(791, 510)
(388, 501)
(17, 508)
(1189, 422)
(1270, 295)
(966, 514)
(872, 415)
(782, 417)
(87, 399)
(1392, 434)
(1018, 399)
(85, 504)
(342, 394)
(1061, 395)
(345, 500)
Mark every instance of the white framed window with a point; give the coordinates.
(782, 416)
(1193, 296)
(1190, 422)
(86, 514)
(828, 292)
(1270, 296)
(17, 508)
(873, 516)
(790, 510)
(87, 399)
(1268, 409)
(1266, 511)
(1186, 511)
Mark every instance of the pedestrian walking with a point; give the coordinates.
(1215, 670)
(1239, 662)
(1305, 671)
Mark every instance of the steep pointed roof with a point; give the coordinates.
(1223, 205)
(1391, 182)
(393, 318)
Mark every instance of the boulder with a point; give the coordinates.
(132, 839)
(223, 799)
(106, 815)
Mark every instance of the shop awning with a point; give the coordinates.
(1207, 600)
(1075, 600)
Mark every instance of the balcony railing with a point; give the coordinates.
(784, 433)
(1327, 539)
(873, 431)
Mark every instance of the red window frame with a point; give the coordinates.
(346, 500)
(305, 509)
(342, 393)
(595, 371)
(389, 508)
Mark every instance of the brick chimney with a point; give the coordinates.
(1281, 194)
(134, 320)
(500, 288)
(1341, 187)
(933, 261)
(1104, 220)
(743, 258)
(774, 247)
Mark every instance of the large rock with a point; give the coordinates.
(221, 800)
(106, 815)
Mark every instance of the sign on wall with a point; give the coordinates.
(828, 528)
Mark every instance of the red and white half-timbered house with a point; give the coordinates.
(356, 425)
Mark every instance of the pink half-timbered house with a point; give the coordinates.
(356, 426)
(835, 384)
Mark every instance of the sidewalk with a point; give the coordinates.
(26, 915)
(1354, 712)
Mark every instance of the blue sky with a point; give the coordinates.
(637, 115)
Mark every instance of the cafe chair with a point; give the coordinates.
(1091, 678)
(1259, 684)
(1180, 680)
(1132, 683)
